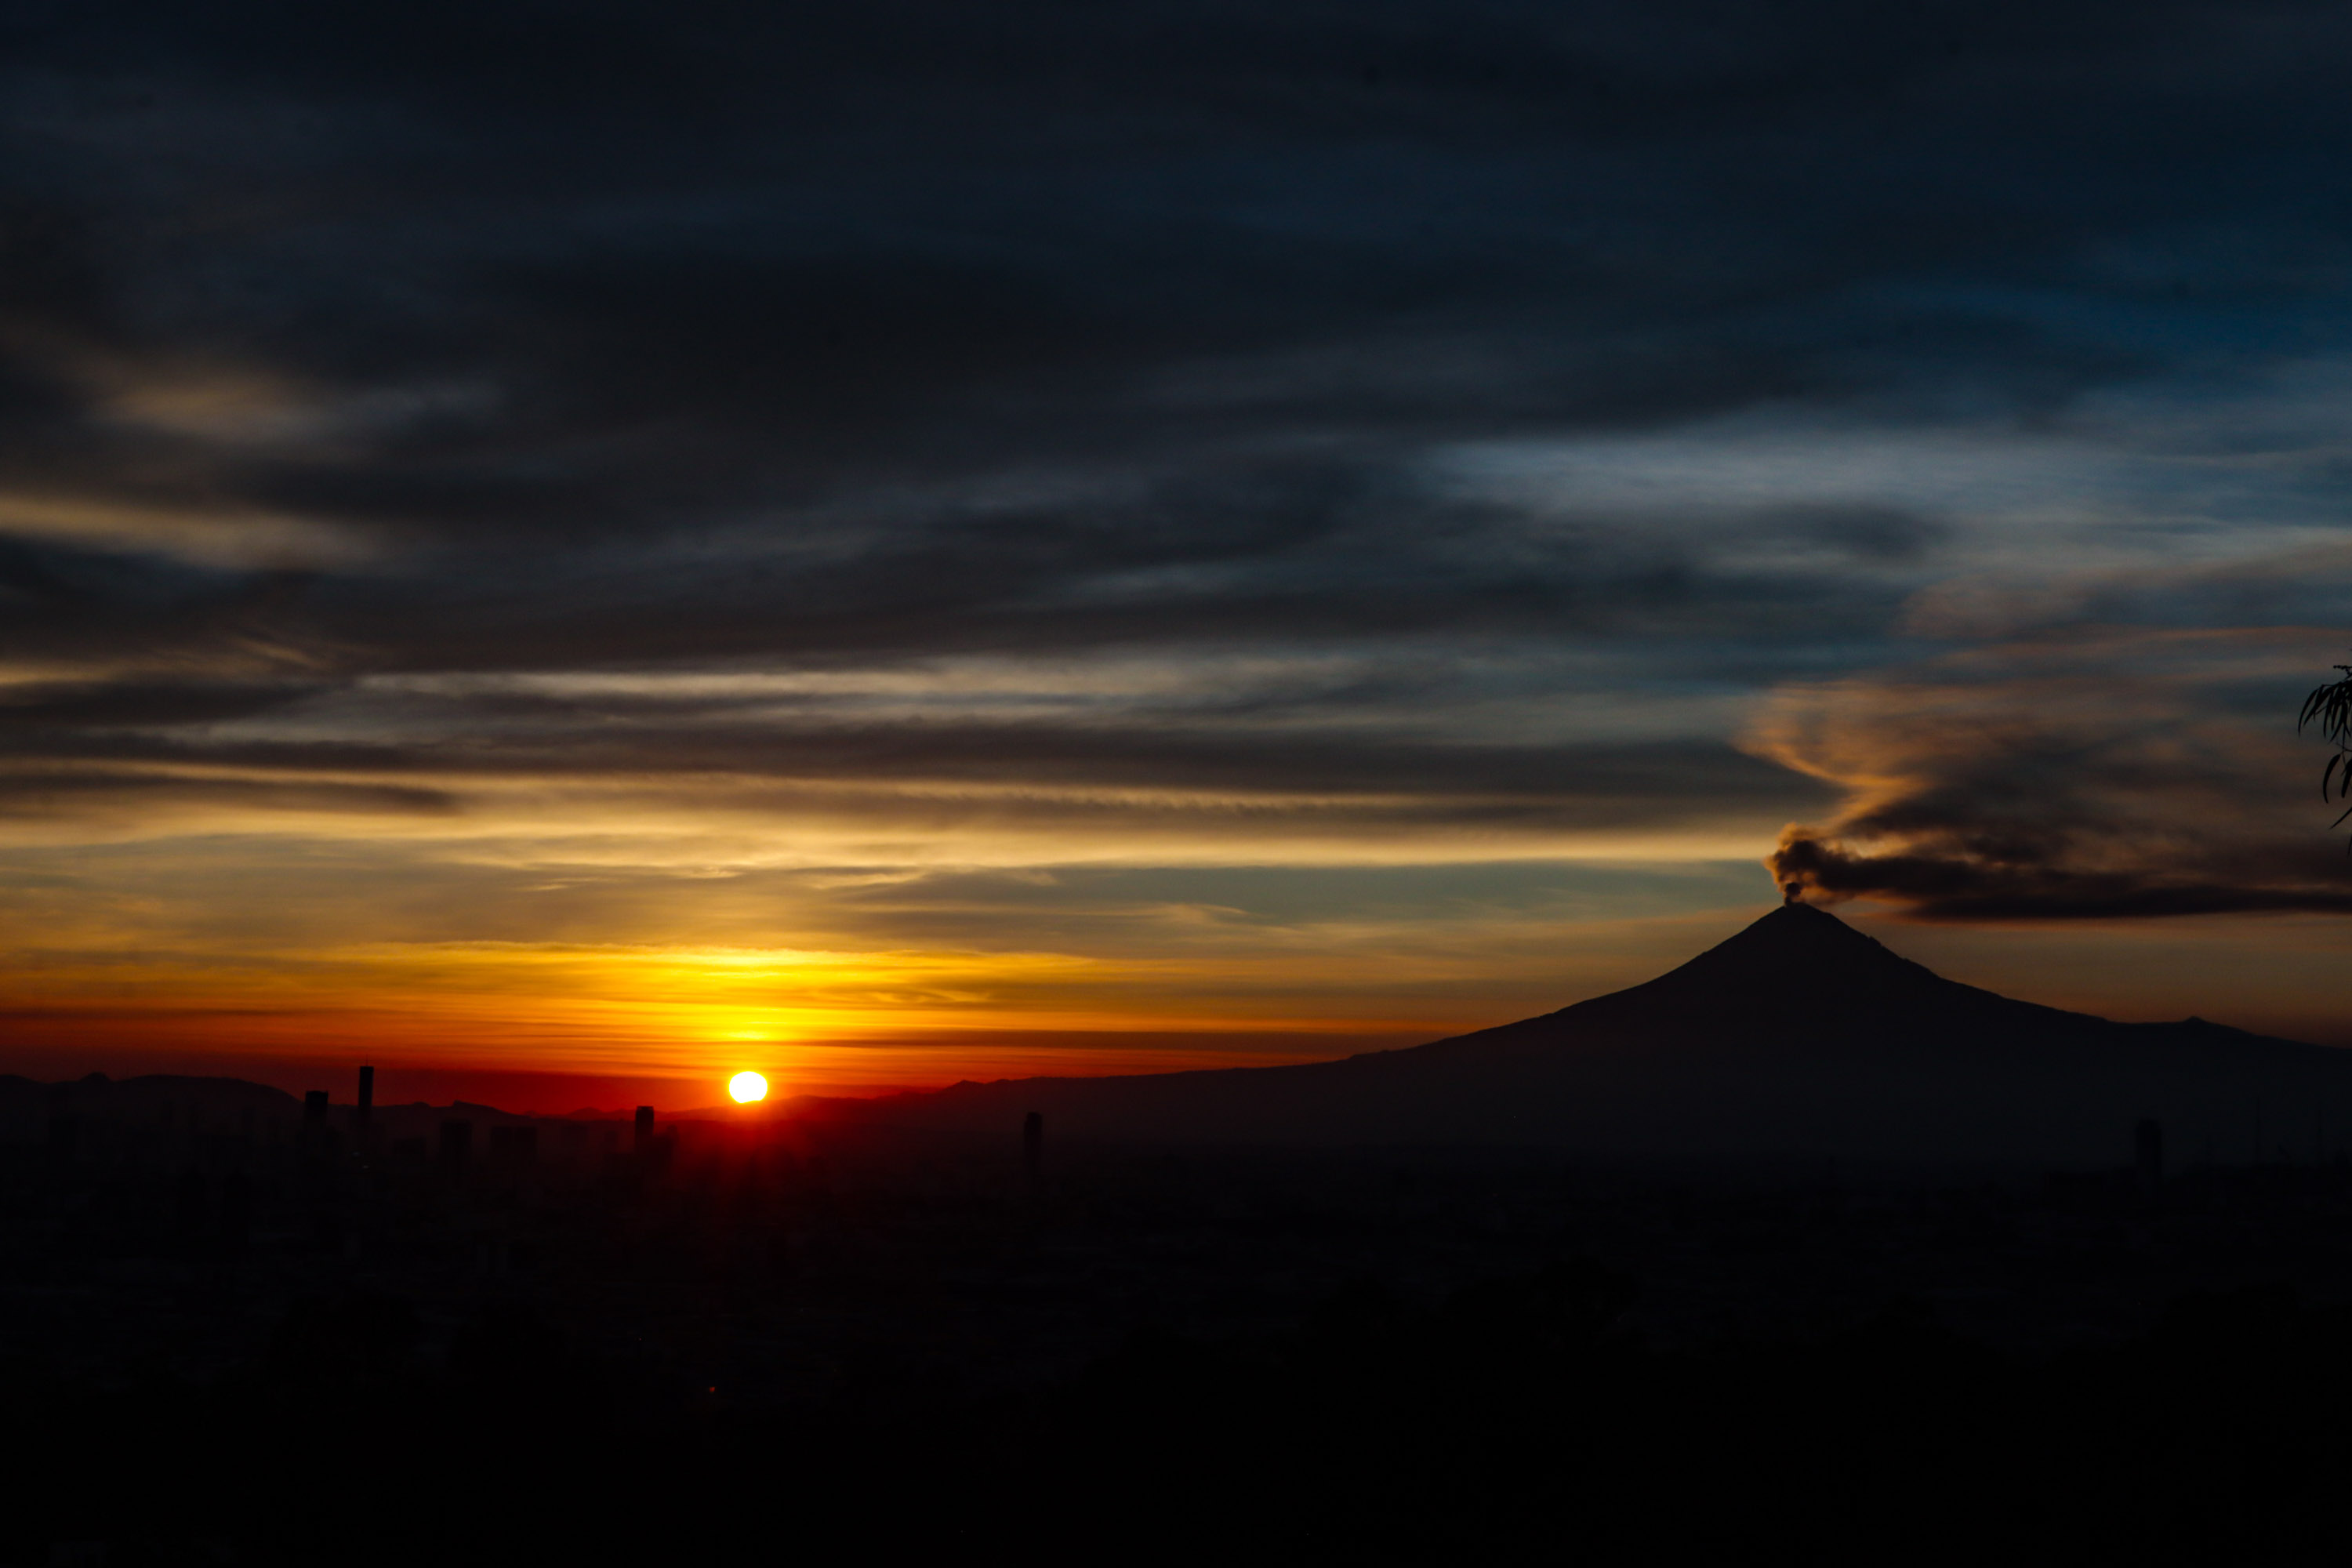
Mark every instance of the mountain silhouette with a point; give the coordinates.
(1798, 1036)
(156, 1099)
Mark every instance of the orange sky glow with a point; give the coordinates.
(565, 942)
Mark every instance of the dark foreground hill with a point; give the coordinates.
(1799, 1036)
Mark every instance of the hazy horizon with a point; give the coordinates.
(557, 1093)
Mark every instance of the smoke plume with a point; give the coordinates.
(2032, 782)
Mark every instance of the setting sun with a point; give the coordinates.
(747, 1087)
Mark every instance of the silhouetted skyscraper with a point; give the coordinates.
(65, 1127)
(2147, 1154)
(64, 1132)
(236, 1210)
(367, 1093)
(194, 1210)
(511, 1146)
(644, 1140)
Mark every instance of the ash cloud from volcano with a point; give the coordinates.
(2109, 777)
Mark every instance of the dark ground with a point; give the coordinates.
(268, 1341)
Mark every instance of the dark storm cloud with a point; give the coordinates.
(845, 239)
(340, 344)
(133, 611)
(1259, 555)
(130, 795)
(72, 705)
(1646, 779)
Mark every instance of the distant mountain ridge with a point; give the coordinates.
(217, 1105)
(1798, 1036)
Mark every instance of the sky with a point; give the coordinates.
(565, 551)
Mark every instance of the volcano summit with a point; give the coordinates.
(1799, 1036)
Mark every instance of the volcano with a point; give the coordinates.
(1798, 1036)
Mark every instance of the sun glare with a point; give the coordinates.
(747, 1087)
